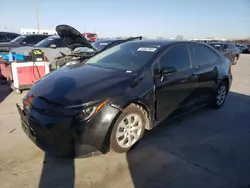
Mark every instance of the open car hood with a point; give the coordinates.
(72, 38)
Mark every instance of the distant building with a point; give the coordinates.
(35, 31)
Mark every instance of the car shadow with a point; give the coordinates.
(5, 91)
(57, 173)
(208, 148)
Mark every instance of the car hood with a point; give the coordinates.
(72, 38)
(9, 45)
(77, 84)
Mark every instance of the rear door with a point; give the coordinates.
(175, 90)
(206, 68)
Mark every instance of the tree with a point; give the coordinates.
(179, 37)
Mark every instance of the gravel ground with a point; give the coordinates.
(208, 148)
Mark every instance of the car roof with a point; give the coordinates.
(161, 42)
(27, 35)
(54, 36)
(6, 32)
(219, 43)
(108, 40)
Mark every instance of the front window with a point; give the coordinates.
(127, 56)
(18, 39)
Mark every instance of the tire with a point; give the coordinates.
(222, 90)
(134, 114)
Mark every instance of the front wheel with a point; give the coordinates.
(128, 129)
(219, 97)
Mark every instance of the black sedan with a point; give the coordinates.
(229, 50)
(108, 101)
(22, 40)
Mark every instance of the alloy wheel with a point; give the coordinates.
(221, 95)
(129, 130)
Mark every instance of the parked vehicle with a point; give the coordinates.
(229, 50)
(108, 101)
(22, 40)
(90, 36)
(7, 36)
(80, 46)
(52, 47)
(243, 48)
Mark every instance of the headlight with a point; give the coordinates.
(87, 110)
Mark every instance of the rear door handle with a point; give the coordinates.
(193, 76)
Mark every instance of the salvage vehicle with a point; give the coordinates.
(107, 102)
(51, 46)
(22, 40)
(80, 46)
(7, 36)
(229, 50)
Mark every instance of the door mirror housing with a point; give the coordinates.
(23, 43)
(52, 46)
(224, 48)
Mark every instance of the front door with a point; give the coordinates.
(177, 89)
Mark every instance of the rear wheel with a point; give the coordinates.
(219, 97)
(128, 129)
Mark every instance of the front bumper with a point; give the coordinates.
(61, 136)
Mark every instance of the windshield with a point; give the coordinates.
(127, 56)
(216, 46)
(99, 45)
(18, 39)
(47, 42)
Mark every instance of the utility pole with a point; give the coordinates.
(37, 17)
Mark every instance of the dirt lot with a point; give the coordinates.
(206, 149)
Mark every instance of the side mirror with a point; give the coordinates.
(52, 46)
(166, 71)
(224, 48)
(23, 43)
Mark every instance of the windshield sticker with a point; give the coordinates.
(104, 43)
(217, 45)
(144, 49)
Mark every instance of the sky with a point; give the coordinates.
(151, 18)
